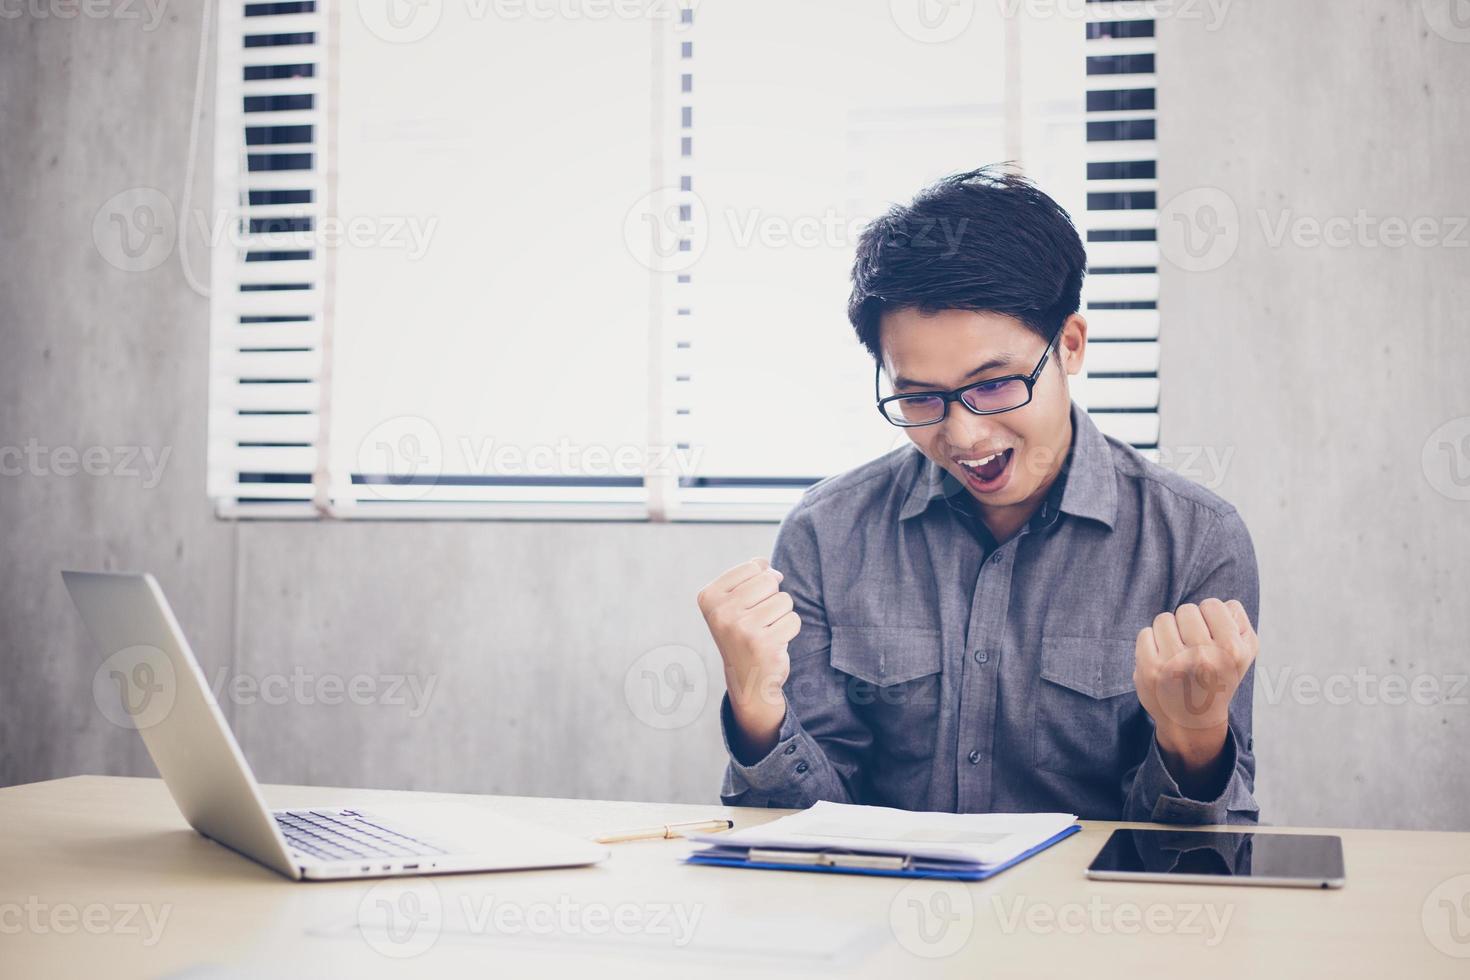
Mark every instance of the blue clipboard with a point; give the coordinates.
(861, 864)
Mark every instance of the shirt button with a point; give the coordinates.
(801, 767)
(974, 756)
(979, 656)
(791, 748)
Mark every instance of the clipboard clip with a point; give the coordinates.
(829, 859)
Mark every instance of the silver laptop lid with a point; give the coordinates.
(150, 671)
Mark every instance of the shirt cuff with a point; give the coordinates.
(1170, 805)
(779, 773)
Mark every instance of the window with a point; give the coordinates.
(503, 265)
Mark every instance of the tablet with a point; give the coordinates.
(1221, 858)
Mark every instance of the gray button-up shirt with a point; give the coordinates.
(937, 671)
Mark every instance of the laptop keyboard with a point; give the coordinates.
(343, 835)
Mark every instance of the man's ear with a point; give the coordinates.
(1072, 344)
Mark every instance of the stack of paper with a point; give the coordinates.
(842, 837)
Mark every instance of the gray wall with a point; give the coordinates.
(1325, 370)
(94, 357)
(530, 633)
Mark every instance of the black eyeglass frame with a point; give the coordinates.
(956, 394)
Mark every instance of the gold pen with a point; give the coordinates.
(667, 831)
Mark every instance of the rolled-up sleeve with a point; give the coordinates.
(822, 744)
(1225, 569)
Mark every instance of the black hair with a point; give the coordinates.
(988, 241)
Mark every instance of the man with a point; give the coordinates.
(1021, 615)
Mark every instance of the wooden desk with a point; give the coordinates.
(101, 877)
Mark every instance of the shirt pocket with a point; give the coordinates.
(893, 684)
(1084, 700)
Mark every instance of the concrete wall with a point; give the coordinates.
(1325, 370)
(539, 639)
(94, 357)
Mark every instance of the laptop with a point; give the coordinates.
(150, 667)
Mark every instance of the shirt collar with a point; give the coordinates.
(1089, 482)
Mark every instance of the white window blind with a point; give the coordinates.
(1120, 224)
(494, 361)
(789, 142)
(598, 267)
(267, 285)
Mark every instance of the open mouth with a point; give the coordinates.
(987, 474)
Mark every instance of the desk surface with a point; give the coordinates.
(100, 876)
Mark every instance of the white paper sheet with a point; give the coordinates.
(982, 839)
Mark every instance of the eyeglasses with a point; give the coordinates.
(982, 398)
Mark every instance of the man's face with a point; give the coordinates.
(954, 348)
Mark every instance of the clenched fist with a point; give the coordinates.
(752, 621)
(1187, 667)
